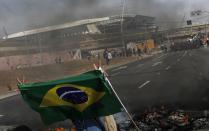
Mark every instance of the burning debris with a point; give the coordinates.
(166, 119)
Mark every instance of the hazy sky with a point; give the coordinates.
(19, 15)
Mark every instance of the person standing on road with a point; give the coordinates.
(105, 56)
(207, 42)
(139, 52)
(109, 56)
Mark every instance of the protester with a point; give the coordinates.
(139, 52)
(109, 56)
(89, 125)
(109, 123)
(207, 42)
(145, 49)
(105, 56)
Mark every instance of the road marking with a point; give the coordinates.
(157, 63)
(1, 115)
(160, 56)
(184, 53)
(120, 68)
(167, 68)
(144, 84)
(158, 73)
(115, 74)
(140, 65)
(9, 94)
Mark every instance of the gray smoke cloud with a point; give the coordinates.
(22, 15)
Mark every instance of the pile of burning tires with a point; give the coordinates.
(166, 119)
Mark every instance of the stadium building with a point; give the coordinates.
(88, 34)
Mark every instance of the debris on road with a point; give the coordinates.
(165, 119)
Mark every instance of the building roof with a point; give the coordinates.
(55, 27)
(103, 20)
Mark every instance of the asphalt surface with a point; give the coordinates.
(178, 78)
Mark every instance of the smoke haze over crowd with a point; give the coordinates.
(20, 15)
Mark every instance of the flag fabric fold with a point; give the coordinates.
(85, 96)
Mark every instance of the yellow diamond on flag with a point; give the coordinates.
(78, 97)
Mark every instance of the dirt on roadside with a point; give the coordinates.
(55, 71)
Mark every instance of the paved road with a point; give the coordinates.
(180, 78)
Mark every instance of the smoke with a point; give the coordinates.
(168, 14)
(22, 15)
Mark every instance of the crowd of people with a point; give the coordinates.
(195, 42)
(109, 54)
(187, 45)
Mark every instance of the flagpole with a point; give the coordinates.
(119, 98)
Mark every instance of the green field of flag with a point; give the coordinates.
(80, 97)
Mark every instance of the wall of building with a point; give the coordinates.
(23, 61)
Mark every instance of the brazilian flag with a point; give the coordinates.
(80, 97)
